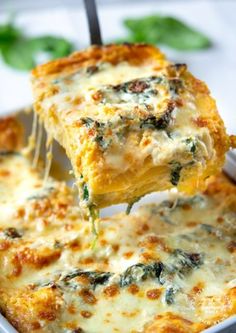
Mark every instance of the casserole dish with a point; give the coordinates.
(225, 327)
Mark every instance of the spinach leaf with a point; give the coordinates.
(156, 123)
(169, 295)
(8, 33)
(21, 52)
(102, 142)
(18, 55)
(165, 30)
(140, 272)
(130, 205)
(9, 153)
(191, 144)
(93, 217)
(179, 264)
(176, 168)
(100, 129)
(85, 192)
(94, 278)
(184, 262)
(194, 200)
(88, 122)
(56, 47)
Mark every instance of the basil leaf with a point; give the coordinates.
(148, 29)
(18, 55)
(176, 168)
(166, 30)
(182, 37)
(57, 47)
(8, 33)
(20, 52)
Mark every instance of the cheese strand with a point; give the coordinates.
(48, 162)
(38, 144)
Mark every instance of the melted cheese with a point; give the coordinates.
(38, 143)
(130, 125)
(176, 258)
(48, 163)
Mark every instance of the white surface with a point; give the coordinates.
(216, 66)
(5, 327)
(227, 326)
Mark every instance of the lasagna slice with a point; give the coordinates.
(169, 267)
(130, 121)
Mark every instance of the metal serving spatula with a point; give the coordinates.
(93, 22)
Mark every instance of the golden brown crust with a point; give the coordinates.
(133, 53)
(223, 190)
(224, 307)
(210, 118)
(172, 323)
(233, 141)
(30, 310)
(210, 115)
(11, 134)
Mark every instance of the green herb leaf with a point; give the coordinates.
(20, 51)
(191, 144)
(93, 217)
(166, 30)
(130, 205)
(169, 295)
(95, 277)
(140, 272)
(176, 168)
(55, 46)
(153, 123)
(18, 55)
(85, 192)
(88, 122)
(8, 34)
(9, 153)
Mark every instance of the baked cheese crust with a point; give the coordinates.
(11, 134)
(130, 121)
(169, 267)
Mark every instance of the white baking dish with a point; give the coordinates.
(227, 326)
(5, 327)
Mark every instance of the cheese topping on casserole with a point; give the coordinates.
(130, 121)
(169, 267)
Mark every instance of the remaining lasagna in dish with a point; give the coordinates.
(11, 134)
(169, 267)
(130, 121)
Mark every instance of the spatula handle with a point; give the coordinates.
(93, 22)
